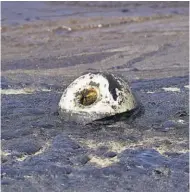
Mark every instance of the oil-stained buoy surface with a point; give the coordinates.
(94, 96)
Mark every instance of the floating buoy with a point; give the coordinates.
(95, 96)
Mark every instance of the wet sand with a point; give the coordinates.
(44, 49)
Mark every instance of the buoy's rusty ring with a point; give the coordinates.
(87, 96)
(95, 96)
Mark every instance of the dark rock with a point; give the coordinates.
(101, 150)
(162, 171)
(170, 154)
(125, 10)
(134, 69)
(4, 159)
(47, 126)
(181, 114)
(111, 154)
(27, 19)
(84, 159)
(56, 113)
(167, 142)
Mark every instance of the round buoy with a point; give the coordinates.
(94, 96)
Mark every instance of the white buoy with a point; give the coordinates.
(94, 96)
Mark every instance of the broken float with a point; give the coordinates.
(95, 96)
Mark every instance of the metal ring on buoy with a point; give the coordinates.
(94, 96)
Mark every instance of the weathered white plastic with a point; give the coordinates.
(114, 97)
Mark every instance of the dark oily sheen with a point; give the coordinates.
(94, 96)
